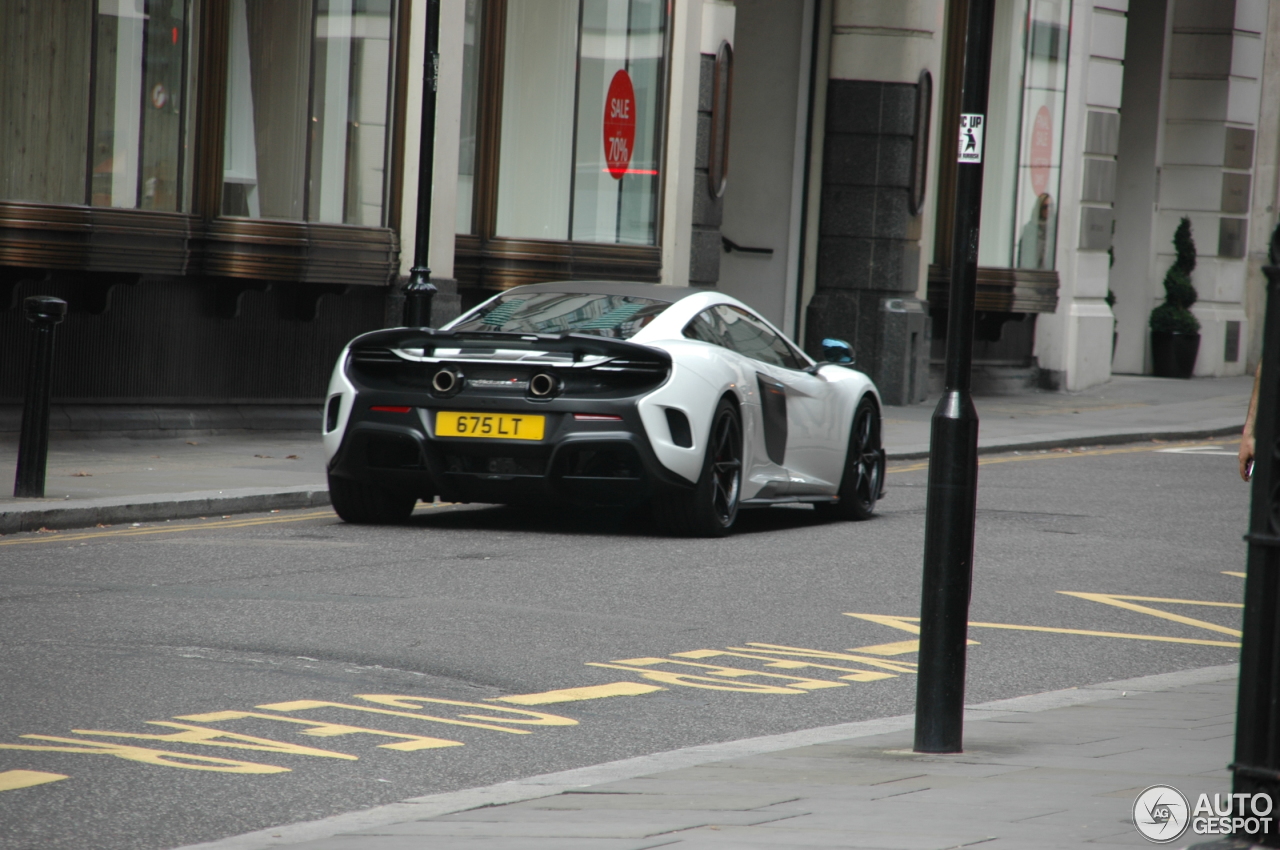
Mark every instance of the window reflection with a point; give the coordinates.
(139, 70)
(470, 113)
(581, 119)
(307, 106)
(1025, 110)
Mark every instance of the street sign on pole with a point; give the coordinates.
(419, 291)
(953, 444)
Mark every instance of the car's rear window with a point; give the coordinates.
(614, 316)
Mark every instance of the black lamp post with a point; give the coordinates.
(953, 444)
(1256, 768)
(419, 291)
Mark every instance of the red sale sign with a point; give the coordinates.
(619, 124)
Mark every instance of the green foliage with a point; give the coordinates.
(1174, 315)
(1185, 246)
(1169, 318)
(1178, 289)
(1111, 298)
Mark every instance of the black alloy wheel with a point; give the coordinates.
(726, 466)
(711, 507)
(863, 476)
(363, 504)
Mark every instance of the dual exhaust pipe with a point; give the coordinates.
(448, 381)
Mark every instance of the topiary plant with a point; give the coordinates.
(1174, 315)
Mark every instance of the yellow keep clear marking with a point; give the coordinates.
(1055, 455)
(12, 780)
(1125, 601)
(616, 689)
(496, 426)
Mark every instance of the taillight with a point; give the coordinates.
(383, 408)
(596, 417)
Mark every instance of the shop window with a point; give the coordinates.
(1026, 104)
(561, 140)
(581, 109)
(308, 96)
(229, 138)
(96, 94)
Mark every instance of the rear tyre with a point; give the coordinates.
(711, 507)
(863, 468)
(364, 504)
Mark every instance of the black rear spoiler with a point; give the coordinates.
(577, 346)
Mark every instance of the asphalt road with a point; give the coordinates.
(381, 653)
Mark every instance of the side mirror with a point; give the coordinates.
(837, 351)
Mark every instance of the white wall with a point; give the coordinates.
(682, 139)
(766, 154)
(1203, 98)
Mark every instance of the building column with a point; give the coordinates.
(1195, 160)
(869, 275)
(1074, 344)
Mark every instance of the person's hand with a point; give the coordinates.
(1246, 455)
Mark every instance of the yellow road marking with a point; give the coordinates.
(165, 529)
(1158, 638)
(1231, 573)
(12, 780)
(901, 647)
(986, 461)
(790, 664)
(321, 729)
(616, 689)
(1126, 602)
(906, 624)
(899, 623)
(203, 735)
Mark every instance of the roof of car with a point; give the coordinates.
(653, 291)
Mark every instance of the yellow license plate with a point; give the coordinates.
(498, 426)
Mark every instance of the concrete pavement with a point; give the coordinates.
(174, 470)
(1053, 770)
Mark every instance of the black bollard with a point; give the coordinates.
(420, 291)
(951, 502)
(44, 312)
(1256, 768)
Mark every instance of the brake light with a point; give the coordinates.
(383, 408)
(596, 417)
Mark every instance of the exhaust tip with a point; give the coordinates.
(543, 385)
(446, 381)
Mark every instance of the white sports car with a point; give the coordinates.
(602, 394)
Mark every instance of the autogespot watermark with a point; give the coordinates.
(1162, 814)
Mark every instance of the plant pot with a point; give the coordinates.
(1173, 355)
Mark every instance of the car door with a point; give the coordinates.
(802, 433)
(765, 477)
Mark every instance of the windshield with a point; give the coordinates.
(613, 316)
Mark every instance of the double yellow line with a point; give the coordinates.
(166, 528)
(170, 528)
(1036, 454)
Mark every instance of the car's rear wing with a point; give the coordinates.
(574, 351)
